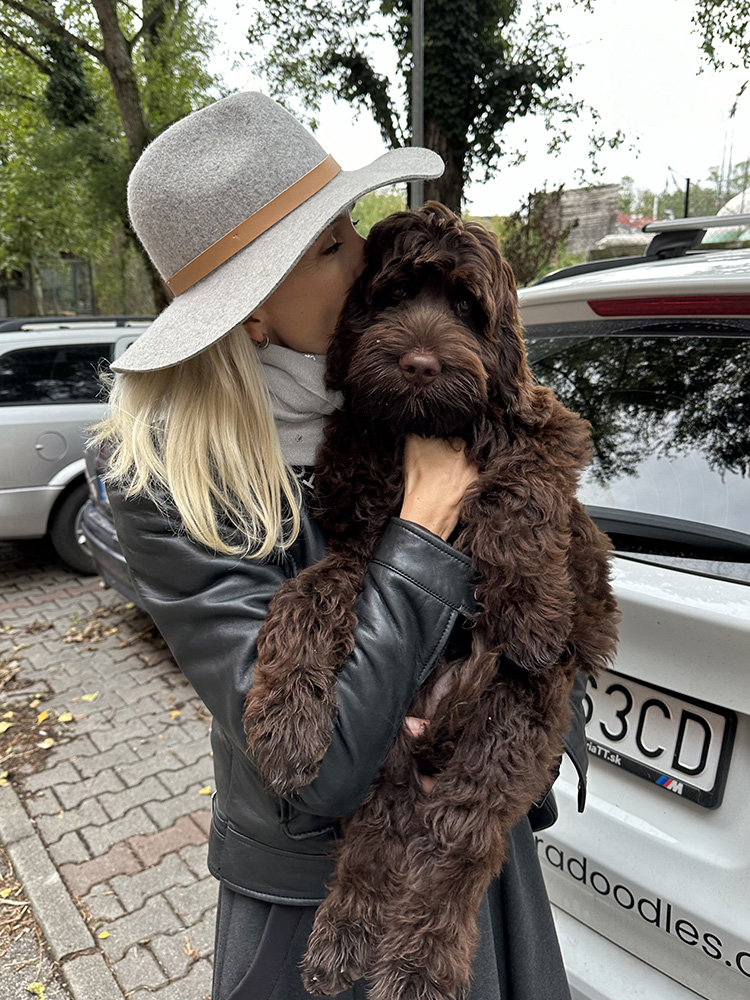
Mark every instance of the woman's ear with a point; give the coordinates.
(256, 328)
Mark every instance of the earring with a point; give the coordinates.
(263, 344)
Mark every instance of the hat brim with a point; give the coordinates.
(212, 307)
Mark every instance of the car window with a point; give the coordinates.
(670, 418)
(61, 374)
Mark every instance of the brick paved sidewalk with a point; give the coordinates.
(120, 807)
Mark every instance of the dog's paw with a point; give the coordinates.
(335, 956)
(287, 748)
(401, 983)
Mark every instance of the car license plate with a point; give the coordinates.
(681, 745)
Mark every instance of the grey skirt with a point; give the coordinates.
(259, 945)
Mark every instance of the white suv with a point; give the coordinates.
(49, 395)
(651, 884)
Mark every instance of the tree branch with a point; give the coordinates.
(42, 66)
(148, 23)
(55, 27)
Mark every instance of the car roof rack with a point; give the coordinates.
(71, 322)
(673, 238)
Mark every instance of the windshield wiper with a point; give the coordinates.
(637, 531)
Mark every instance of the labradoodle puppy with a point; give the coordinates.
(430, 343)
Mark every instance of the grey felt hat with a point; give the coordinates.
(226, 201)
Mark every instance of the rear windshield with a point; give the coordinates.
(68, 373)
(670, 418)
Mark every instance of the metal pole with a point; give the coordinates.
(687, 196)
(416, 188)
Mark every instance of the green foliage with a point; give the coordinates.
(706, 198)
(64, 158)
(487, 62)
(724, 30)
(376, 205)
(533, 239)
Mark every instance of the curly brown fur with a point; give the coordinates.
(411, 866)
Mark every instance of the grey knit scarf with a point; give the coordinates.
(300, 400)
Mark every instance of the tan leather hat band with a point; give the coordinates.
(253, 227)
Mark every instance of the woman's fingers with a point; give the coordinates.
(416, 726)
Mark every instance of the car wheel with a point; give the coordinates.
(64, 531)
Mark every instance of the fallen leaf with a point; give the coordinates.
(65, 717)
(4, 893)
(5, 726)
(190, 951)
(36, 988)
(175, 713)
(35, 703)
(103, 935)
(206, 790)
(8, 715)
(42, 717)
(46, 744)
(90, 697)
(21, 645)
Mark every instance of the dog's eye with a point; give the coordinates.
(464, 306)
(399, 291)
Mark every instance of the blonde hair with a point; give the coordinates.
(203, 431)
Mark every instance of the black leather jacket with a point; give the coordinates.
(209, 609)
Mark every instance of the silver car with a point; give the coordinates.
(49, 395)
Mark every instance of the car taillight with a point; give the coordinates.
(674, 305)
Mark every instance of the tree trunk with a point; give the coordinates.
(120, 67)
(449, 189)
(162, 295)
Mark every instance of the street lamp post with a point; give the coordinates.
(416, 188)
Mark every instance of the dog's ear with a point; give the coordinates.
(514, 383)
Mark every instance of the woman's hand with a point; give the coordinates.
(416, 726)
(437, 474)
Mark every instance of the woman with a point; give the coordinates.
(215, 418)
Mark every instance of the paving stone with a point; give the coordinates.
(203, 818)
(102, 903)
(118, 803)
(155, 917)
(76, 747)
(159, 762)
(73, 794)
(93, 763)
(181, 834)
(133, 890)
(51, 776)
(177, 952)
(198, 774)
(196, 859)
(105, 739)
(191, 902)
(89, 812)
(42, 803)
(101, 838)
(90, 979)
(80, 878)
(195, 986)
(198, 750)
(164, 814)
(138, 969)
(69, 848)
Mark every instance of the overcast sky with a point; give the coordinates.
(640, 70)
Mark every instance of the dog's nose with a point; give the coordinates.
(420, 367)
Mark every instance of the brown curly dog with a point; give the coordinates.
(430, 343)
